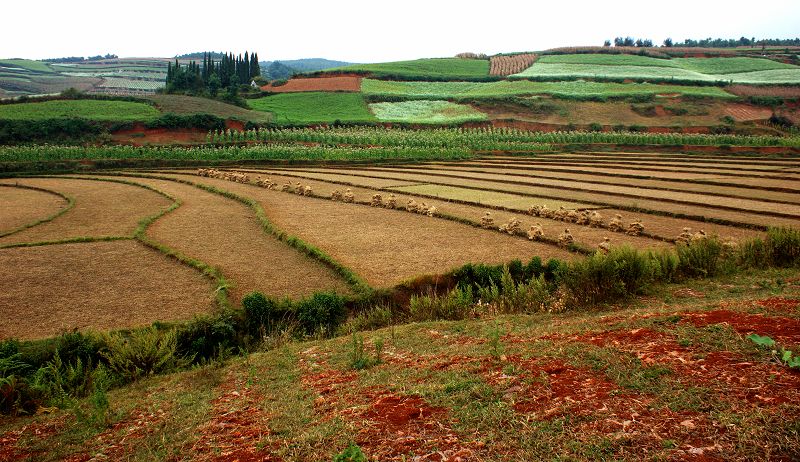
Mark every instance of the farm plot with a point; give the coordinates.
(676, 185)
(426, 112)
(579, 89)
(687, 170)
(101, 209)
(341, 83)
(23, 206)
(507, 65)
(97, 286)
(696, 163)
(224, 233)
(387, 247)
(722, 202)
(437, 67)
(584, 235)
(315, 107)
(643, 203)
(87, 109)
(664, 227)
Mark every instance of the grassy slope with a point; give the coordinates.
(88, 109)
(524, 87)
(642, 381)
(428, 112)
(36, 66)
(182, 104)
(436, 67)
(314, 107)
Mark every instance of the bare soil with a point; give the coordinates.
(139, 135)
(94, 286)
(101, 208)
(21, 206)
(225, 234)
(337, 83)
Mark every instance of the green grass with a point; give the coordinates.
(87, 109)
(428, 112)
(787, 76)
(451, 90)
(436, 67)
(617, 72)
(27, 64)
(314, 107)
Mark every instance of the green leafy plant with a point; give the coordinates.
(144, 352)
(353, 453)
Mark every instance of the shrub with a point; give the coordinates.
(259, 312)
(456, 304)
(206, 337)
(144, 352)
(665, 264)
(321, 313)
(634, 269)
(595, 127)
(703, 258)
(58, 382)
(372, 318)
(784, 246)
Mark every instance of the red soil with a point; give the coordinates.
(10, 452)
(393, 411)
(780, 329)
(745, 112)
(236, 428)
(337, 83)
(780, 304)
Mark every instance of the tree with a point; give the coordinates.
(607, 43)
(668, 42)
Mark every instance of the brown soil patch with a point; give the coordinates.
(10, 451)
(236, 427)
(749, 90)
(225, 234)
(101, 208)
(338, 83)
(780, 329)
(386, 247)
(745, 112)
(98, 286)
(22, 206)
(141, 136)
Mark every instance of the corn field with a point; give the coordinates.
(507, 65)
(483, 139)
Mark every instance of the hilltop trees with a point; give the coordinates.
(213, 74)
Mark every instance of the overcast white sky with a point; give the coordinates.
(369, 31)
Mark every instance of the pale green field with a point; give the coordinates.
(426, 112)
(449, 90)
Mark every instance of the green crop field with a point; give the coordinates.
(573, 89)
(87, 109)
(436, 67)
(426, 112)
(27, 64)
(736, 69)
(315, 107)
(607, 60)
(730, 65)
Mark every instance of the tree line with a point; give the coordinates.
(213, 74)
(703, 43)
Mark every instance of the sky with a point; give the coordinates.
(370, 31)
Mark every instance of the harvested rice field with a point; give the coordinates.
(20, 207)
(102, 209)
(386, 247)
(226, 234)
(52, 289)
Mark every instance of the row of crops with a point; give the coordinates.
(485, 138)
(261, 152)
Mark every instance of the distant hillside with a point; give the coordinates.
(284, 69)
